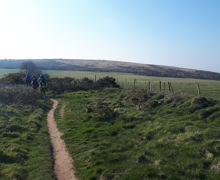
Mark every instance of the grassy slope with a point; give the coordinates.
(25, 151)
(179, 140)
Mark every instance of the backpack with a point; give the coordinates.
(35, 84)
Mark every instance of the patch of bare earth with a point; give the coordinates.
(216, 166)
(63, 163)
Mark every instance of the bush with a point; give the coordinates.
(106, 82)
(61, 85)
(17, 94)
(86, 84)
(14, 78)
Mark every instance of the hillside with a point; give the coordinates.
(114, 66)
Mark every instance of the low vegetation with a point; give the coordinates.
(13, 78)
(122, 134)
(181, 86)
(61, 85)
(25, 151)
(18, 94)
(111, 132)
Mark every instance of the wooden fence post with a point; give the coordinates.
(164, 87)
(198, 89)
(134, 83)
(149, 86)
(171, 87)
(160, 85)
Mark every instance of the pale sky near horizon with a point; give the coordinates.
(183, 33)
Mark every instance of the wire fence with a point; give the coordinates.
(206, 88)
(190, 87)
(180, 86)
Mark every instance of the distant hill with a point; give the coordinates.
(113, 66)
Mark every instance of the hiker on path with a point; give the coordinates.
(42, 78)
(43, 85)
(34, 82)
(28, 79)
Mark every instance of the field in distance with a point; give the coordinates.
(209, 88)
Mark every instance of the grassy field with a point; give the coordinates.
(181, 86)
(4, 72)
(119, 134)
(124, 135)
(25, 152)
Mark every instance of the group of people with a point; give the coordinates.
(37, 81)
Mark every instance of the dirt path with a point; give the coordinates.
(63, 163)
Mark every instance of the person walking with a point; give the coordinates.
(34, 82)
(43, 85)
(28, 79)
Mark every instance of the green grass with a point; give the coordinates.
(119, 134)
(166, 138)
(25, 152)
(180, 85)
(4, 72)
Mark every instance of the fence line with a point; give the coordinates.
(165, 86)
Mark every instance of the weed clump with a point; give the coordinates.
(137, 97)
(200, 103)
(103, 109)
(153, 104)
(170, 99)
(207, 112)
(143, 159)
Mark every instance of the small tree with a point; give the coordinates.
(30, 67)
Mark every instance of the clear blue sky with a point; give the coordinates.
(184, 33)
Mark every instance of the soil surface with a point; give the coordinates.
(63, 163)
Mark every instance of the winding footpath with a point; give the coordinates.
(63, 163)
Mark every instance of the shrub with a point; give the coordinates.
(61, 85)
(14, 78)
(17, 94)
(106, 82)
(103, 109)
(86, 84)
